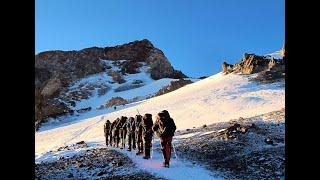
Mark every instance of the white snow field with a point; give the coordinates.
(215, 99)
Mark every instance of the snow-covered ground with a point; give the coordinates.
(217, 98)
(179, 168)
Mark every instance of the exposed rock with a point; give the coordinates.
(203, 77)
(92, 164)
(82, 110)
(51, 88)
(271, 63)
(53, 109)
(130, 67)
(233, 131)
(144, 51)
(174, 85)
(275, 72)
(116, 101)
(137, 82)
(136, 51)
(246, 156)
(117, 77)
(251, 64)
(103, 90)
(80, 142)
(54, 70)
(227, 68)
(127, 87)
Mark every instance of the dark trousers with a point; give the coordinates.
(147, 143)
(110, 138)
(166, 144)
(139, 143)
(131, 140)
(116, 138)
(107, 138)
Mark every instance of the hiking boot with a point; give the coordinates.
(165, 164)
(146, 157)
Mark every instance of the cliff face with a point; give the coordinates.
(56, 70)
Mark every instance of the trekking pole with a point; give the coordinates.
(152, 142)
(161, 149)
(174, 150)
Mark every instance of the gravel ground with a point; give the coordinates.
(99, 163)
(255, 151)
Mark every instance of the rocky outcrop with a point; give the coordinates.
(252, 63)
(116, 77)
(227, 68)
(174, 85)
(51, 87)
(116, 101)
(144, 51)
(55, 70)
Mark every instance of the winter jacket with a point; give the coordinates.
(107, 127)
(147, 124)
(164, 127)
(130, 125)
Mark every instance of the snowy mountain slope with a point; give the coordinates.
(214, 99)
(100, 71)
(146, 87)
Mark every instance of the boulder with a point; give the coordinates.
(116, 101)
(51, 88)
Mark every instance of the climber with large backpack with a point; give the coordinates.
(123, 131)
(112, 133)
(131, 134)
(106, 128)
(165, 128)
(138, 134)
(147, 134)
(115, 133)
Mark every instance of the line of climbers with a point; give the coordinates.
(139, 134)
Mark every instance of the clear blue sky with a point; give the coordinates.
(195, 35)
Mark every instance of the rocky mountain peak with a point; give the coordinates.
(56, 70)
